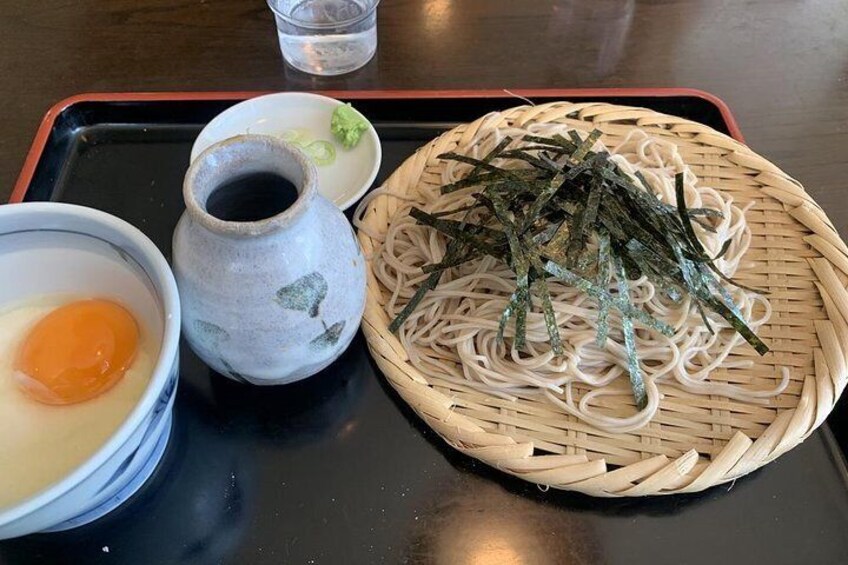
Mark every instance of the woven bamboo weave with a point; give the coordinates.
(694, 441)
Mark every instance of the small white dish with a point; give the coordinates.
(51, 248)
(343, 182)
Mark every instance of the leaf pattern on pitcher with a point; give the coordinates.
(304, 294)
(329, 338)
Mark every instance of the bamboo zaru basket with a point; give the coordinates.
(694, 441)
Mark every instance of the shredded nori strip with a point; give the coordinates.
(602, 295)
(584, 147)
(444, 213)
(550, 317)
(603, 282)
(511, 306)
(542, 219)
(547, 305)
(505, 173)
(575, 137)
(413, 303)
(541, 201)
(555, 249)
(663, 279)
(478, 179)
(637, 381)
(694, 242)
(584, 222)
(716, 286)
(520, 265)
(455, 230)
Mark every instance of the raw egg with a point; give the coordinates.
(41, 443)
(77, 352)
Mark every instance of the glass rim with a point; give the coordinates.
(319, 25)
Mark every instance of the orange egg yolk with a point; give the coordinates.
(77, 352)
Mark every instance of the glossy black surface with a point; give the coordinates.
(336, 469)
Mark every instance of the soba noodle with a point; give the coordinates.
(452, 334)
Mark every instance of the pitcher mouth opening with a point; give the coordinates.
(229, 189)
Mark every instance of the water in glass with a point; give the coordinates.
(327, 37)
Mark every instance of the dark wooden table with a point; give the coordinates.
(781, 65)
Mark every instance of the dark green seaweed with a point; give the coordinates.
(637, 381)
(603, 282)
(572, 214)
(584, 147)
(584, 222)
(520, 265)
(621, 304)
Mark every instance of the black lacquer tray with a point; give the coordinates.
(336, 469)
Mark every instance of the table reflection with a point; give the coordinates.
(300, 413)
(486, 525)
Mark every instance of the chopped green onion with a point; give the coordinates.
(321, 152)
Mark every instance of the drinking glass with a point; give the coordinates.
(326, 37)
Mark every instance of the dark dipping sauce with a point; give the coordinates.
(251, 197)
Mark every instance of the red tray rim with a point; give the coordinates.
(46, 126)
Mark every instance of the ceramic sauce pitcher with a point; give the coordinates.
(271, 277)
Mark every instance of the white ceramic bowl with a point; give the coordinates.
(60, 248)
(343, 182)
